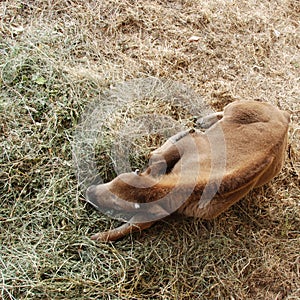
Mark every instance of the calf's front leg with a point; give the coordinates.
(121, 231)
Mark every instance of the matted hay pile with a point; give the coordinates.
(56, 57)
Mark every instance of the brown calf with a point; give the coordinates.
(200, 174)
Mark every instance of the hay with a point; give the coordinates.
(56, 57)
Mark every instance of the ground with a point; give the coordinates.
(57, 57)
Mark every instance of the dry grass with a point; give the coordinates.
(58, 56)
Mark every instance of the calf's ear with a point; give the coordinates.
(158, 212)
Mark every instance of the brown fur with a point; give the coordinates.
(192, 163)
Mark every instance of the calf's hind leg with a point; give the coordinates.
(209, 120)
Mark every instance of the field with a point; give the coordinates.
(58, 57)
